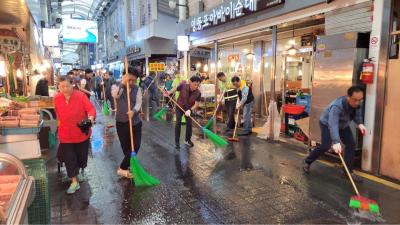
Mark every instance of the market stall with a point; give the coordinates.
(16, 190)
(20, 125)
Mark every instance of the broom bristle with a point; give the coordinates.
(158, 116)
(140, 176)
(362, 203)
(106, 112)
(209, 123)
(217, 140)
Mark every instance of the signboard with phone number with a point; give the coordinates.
(156, 67)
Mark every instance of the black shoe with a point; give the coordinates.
(306, 167)
(228, 130)
(245, 134)
(189, 143)
(177, 146)
(355, 177)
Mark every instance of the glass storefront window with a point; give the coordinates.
(237, 60)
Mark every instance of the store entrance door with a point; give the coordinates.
(390, 151)
(296, 92)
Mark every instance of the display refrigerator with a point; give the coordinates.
(16, 190)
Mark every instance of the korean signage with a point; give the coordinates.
(233, 57)
(231, 10)
(133, 50)
(156, 67)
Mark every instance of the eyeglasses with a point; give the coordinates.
(357, 100)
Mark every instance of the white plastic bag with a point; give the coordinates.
(265, 130)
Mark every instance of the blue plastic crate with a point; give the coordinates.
(304, 100)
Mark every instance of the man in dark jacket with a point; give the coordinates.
(189, 98)
(150, 87)
(335, 127)
(108, 81)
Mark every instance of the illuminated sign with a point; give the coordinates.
(79, 31)
(183, 43)
(230, 10)
(156, 67)
(50, 37)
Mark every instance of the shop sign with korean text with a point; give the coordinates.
(156, 67)
(229, 11)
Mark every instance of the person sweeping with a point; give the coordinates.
(230, 97)
(245, 102)
(335, 128)
(189, 99)
(122, 119)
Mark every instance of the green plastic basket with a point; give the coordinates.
(39, 210)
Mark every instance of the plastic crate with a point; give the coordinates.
(39, 210)
(304, 100)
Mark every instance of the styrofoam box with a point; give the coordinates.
(22, 149)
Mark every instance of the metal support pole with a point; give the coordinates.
(215, 82)
(273, 77)
(146, 97)
(185, 65)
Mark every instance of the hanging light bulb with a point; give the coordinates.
(212, 65)
(198, 65)
(266, 65)
(219, 64)
(19, 73)
(292, 51)
(233, 63)
(2, 67)
(250, 56)
(205, 68)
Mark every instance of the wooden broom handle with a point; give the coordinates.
(129, 104)
(348, 173)
(237, 121)
(216, 108)
(172, 100)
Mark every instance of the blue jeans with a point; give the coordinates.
(247, 111)
(346, 136)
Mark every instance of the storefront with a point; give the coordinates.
(281, 67)
(152, 50)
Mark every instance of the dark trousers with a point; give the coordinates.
(346, 136)
(230, 107)
(74, 155)
(111, 99)
(125, 140)
(189, 126)
(99, 94)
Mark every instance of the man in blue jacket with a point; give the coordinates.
(334, 123)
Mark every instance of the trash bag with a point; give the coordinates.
(264, 132)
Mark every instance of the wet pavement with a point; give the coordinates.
(252, 181)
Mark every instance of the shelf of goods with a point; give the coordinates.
(19, 129)
(17, 190)
(207, 105)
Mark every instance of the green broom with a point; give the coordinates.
(214, 138)
(211, 120)
(158, 116)
(358, 201)
(141, 177)
(106, 111)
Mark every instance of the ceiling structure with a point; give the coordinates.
(14, 13)
(81, 9)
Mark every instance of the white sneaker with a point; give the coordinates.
(124, 173)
